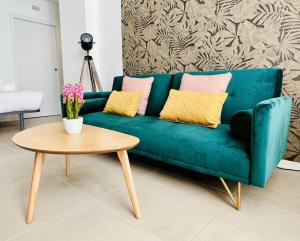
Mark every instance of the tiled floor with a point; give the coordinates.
(93, 203)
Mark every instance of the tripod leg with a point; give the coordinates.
(95, 75)
(92, 76)
(82, 75)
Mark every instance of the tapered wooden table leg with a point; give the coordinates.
(123, 156)
(68, 166)
(37, 171)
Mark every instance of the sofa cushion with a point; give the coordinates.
(134, 84)
(210, 151)
(246, 88)
(159, 91)
(194, 107)
(123, 103)
(205, 83)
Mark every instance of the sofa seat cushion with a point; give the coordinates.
(210, 151)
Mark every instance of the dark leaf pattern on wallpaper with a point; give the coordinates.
(266, 13)
(188, 35)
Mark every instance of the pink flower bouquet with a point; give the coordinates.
(73, 99)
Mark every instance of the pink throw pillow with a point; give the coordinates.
(205, 83)
(143, 85)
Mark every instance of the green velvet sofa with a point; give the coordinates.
(245, 148)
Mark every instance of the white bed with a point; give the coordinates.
(20, 102)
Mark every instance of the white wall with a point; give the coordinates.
(72, 25)
(22, 8)
(101, 18)
(110, 39)
(91, 26)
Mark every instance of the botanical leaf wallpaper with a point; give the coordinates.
(188, 35)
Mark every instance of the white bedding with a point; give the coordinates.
(20, 100)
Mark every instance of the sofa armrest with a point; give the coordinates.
(94, 101)
(271, 119)
(241, 125)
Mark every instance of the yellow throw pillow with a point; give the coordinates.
(123, 103)
(194, 107)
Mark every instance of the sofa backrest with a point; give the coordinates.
(159, 92)
(246, 88)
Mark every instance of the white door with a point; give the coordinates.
(37, 64)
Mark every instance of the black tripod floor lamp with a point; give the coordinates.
(86, 41)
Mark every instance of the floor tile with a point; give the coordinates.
(15, 169)
(172, 208)
(5, 152)
(7, 132)
(90, 222)
(282, 191)
(96, 175)
(18, 151)
(253, 222)
(195, 177)
(54, 198)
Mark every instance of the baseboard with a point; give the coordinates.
(289, 165)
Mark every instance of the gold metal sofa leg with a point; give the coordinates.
(237, 202)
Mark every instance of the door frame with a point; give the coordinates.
(12, 18)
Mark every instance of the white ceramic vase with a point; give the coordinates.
(73, 126)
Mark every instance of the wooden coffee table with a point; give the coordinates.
(52, 139)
